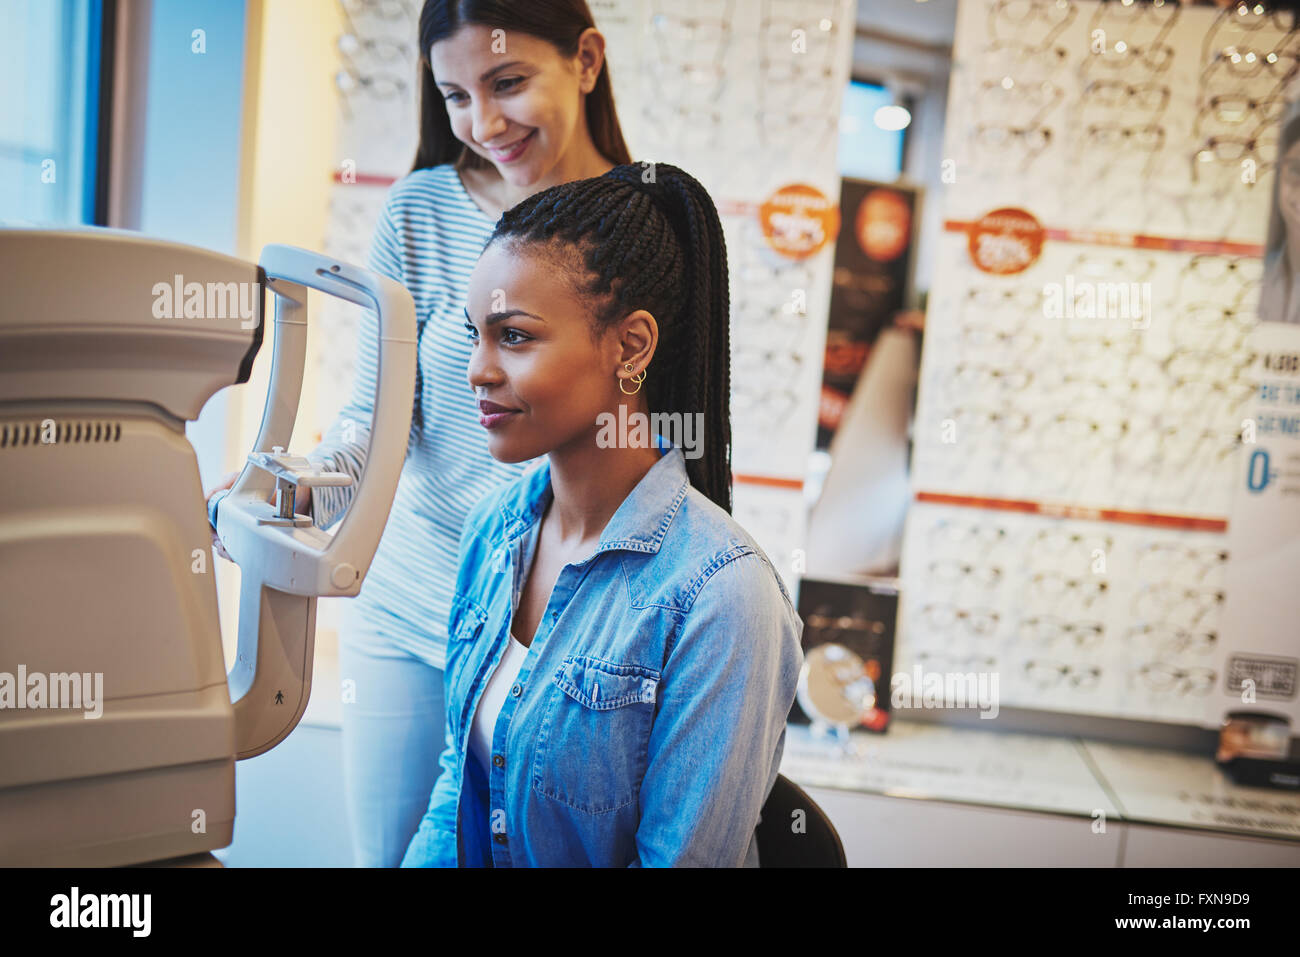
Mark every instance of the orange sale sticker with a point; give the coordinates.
(1005, 241)
(799, 220)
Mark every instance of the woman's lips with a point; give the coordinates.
(515, 151)
(492, 415)
(494, 420)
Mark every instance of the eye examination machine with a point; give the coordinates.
(110, 342)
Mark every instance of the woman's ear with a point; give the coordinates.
(591, 58)
(638, 337)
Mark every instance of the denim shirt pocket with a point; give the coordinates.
(592, 746)
(468, 619)
(471, 619)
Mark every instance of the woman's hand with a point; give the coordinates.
(226, 481)
(301, 503)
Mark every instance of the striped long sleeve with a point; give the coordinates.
(428, 238)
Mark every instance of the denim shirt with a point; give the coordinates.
(646, 725)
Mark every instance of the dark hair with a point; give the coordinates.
(559, 22)
(1273, 305)
(1289, 127)
(648, 237)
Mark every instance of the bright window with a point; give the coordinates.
(49, 113)
(867, 151)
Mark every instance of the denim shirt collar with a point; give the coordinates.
(640, 522)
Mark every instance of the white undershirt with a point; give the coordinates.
(494, 696)
(498, 686)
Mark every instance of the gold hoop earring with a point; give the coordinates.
(638, 379)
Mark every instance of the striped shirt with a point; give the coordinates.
(428, 238)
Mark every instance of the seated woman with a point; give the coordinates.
(622, 654)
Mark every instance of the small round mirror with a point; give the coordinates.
(834, 687)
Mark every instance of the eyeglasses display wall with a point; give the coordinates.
(746, 95)
(1081, 430)
(1073, 615)
(376, 86)
(376, 92)
(1138, 411)
(746, 91)
(1161, 117)
(354, 210)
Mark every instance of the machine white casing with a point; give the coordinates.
(105, 547)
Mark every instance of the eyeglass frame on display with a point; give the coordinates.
(1179, 677)
(1089, 676)
(1077, 630)
(1129, 89)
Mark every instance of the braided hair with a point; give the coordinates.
(647, 236)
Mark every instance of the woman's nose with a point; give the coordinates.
(488, 124)
(482, 370)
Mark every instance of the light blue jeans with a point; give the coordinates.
(393, 735)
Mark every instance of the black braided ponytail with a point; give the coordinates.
(647, 236)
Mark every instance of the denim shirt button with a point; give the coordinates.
(498, 761)
(515, 690)
(499, 838)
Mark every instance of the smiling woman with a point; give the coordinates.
(514, 95)
(625, 654)
(515, 98)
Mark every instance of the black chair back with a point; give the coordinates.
(790, 839)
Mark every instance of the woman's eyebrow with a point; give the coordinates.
(494, 317)
(489, 74)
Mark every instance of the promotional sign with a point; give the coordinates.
(872, 266)
(1261, 660)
